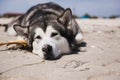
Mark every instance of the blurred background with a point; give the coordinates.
(80, 8)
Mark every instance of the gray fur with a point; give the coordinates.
(44, 15)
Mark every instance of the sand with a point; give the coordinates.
(100, 61)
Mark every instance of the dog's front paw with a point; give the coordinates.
(83, 49)
(14, 47)
(78, 39)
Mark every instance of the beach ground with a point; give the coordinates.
(100, 61)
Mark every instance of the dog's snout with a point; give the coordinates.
(47, 48)
(48, 52)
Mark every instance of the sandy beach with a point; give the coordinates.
(100, 61)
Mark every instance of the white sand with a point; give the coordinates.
(101, 61)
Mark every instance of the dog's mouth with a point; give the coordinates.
(49, 56)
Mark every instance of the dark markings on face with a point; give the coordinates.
(63, 32)
(55, 24)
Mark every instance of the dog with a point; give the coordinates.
(49, 30)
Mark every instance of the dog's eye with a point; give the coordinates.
(38, 37)
(54, 34)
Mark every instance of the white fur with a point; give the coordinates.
(40, 32)
(79, 38)
(21, 38)
(59, 44)
(11, 31)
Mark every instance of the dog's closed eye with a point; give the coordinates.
(54, 34)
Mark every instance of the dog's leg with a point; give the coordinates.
(79, 43)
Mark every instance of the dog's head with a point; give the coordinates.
(49, 39)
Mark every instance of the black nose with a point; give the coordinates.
(47, 48)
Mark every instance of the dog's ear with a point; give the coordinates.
(21, 30)
(66, 17)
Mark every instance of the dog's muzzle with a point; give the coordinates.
(47, 48)
(47, 51)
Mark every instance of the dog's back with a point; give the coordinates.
(47, 11)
